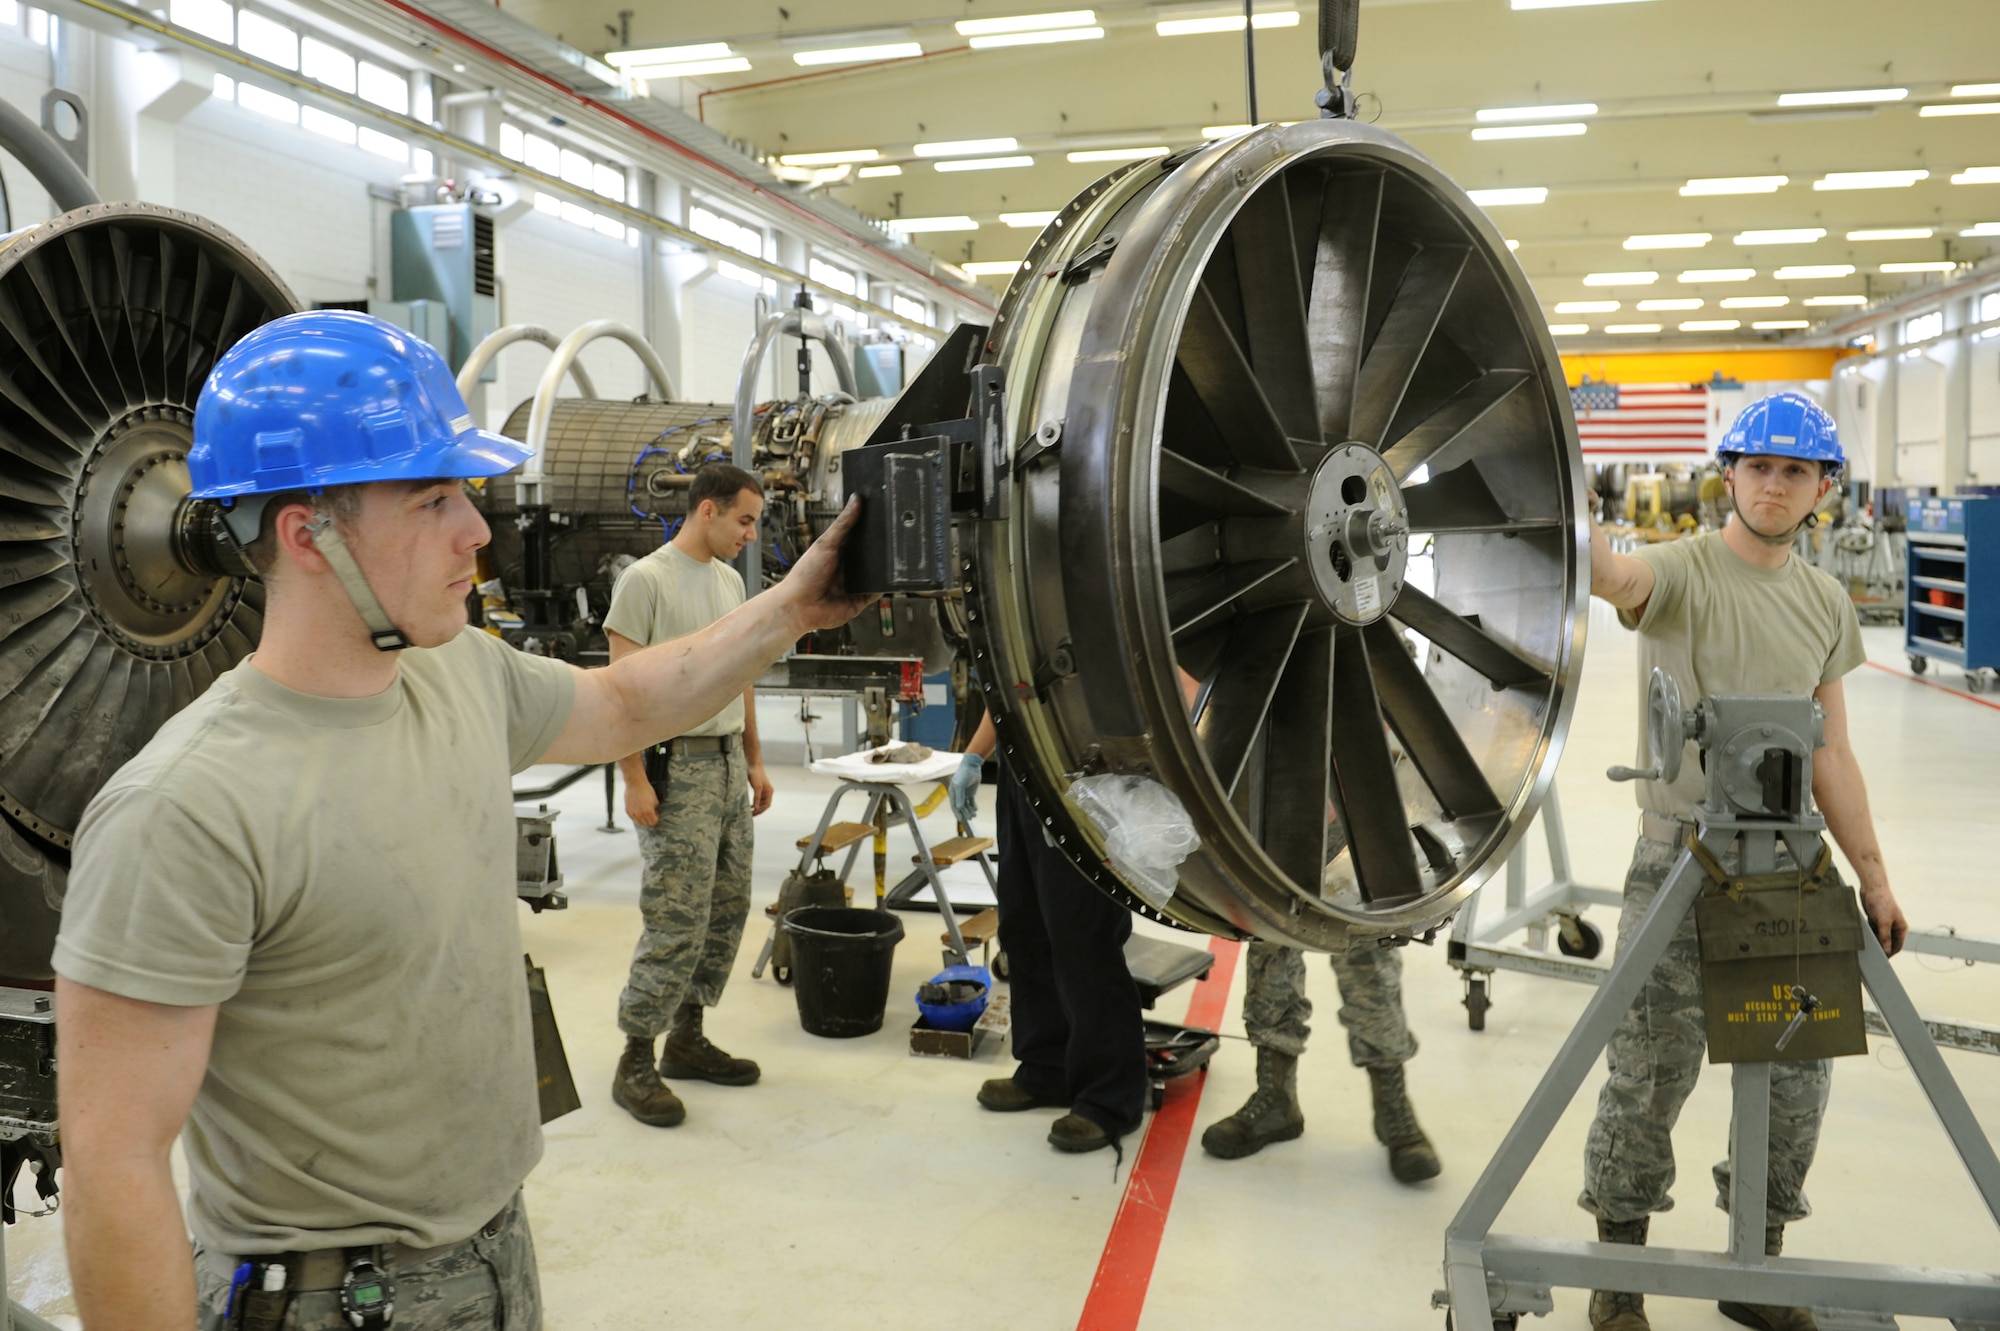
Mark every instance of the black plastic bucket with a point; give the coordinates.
(841, 959)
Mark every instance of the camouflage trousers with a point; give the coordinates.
(1370, 977)
(485, 1283)
(695, 895)
(1655, 1057)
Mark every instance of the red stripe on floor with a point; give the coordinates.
(1118, 1292)
(1914, 679)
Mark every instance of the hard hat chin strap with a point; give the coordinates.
(327, 540)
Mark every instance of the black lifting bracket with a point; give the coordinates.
(939, 454)
(1339, 26)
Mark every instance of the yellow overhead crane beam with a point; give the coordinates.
(1751, 365)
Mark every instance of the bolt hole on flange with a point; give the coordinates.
(1309, 350)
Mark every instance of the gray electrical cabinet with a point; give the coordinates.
(444, 252)
(878, 369)
(427, 319)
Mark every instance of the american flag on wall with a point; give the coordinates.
(1641, 422)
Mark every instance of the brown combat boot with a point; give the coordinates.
(1615, 1310)
(637, 1089)
(1412, 1158)
(1769, 1316)
(1271, 1114)
(688, 1056)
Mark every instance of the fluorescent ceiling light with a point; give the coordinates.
(912, 225)
(1631, 328)
(1673, 240)
(1756, 302)
(1693, 275)
(1734, 185)
(689, 69)
(1568, 130)
(1029, 219)
(966, 147)
(854, 55)
(1674, 303)
(1975, 90)
(1641, 279)
(1982, 229)
(872, 172)
(983, 163)
(1966, 109)
(1778, 325)
(1563, 4)
(830, 158)
(1892, 233)
(1224, 131)
(1189, 27)
(1503, 198)
(1503, 114)
(1035, 38)
(1586, 306)
(1835, 300)
(1933, 266)
(1117, 154)
(1568, 330)
(1869, 179)
(986, 27)
(1711, 325)
(668, 55)
(1798, 235)
(993, 267)
(1813, 272)
(1978, 175)
(1851, 97)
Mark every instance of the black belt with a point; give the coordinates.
(694, 745)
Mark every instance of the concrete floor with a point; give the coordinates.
(858, 1187)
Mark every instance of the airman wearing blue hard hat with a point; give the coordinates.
(290, 934)
(1727, 612)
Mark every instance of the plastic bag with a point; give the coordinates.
(1147, 831)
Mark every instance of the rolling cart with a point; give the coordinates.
(1953, 608)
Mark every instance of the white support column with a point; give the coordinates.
(145, 96)
(1886, 424)
(1957, 355)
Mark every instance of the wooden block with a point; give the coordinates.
(979, 930)
(839, 837)
(947, 853)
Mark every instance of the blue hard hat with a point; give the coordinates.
(1787, 425)
(334, 397)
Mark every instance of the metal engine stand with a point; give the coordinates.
(1757, 752)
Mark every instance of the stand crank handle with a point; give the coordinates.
(1633, 773)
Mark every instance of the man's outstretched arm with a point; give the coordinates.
(127, 1074)
(654, 694)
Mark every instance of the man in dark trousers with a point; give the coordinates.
(1077, 1030)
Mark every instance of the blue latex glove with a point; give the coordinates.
(964, 787)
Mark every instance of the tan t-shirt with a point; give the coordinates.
(338, 874)
(1720, 624)
(670, 594)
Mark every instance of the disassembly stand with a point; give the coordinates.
(1757, 752)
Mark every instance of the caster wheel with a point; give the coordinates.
(1511, 1322)
(782, 974)
(1589, 942)
(999, 965)
(1975, 681)
(1919, 664)
(1476, 1003)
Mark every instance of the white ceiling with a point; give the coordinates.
(1684, 88)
